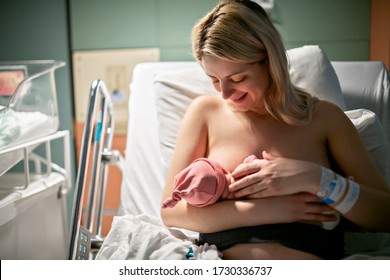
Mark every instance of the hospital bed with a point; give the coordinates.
(160, 94)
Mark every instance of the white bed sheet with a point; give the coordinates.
(144, 237)
(373, 84)
(140, 190)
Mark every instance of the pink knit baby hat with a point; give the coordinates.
(200, 184)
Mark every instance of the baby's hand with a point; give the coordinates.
(226, 193)
(250, 159)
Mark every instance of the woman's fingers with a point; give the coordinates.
(318, 212)
(267, 156)
(250, 185)
(244, 182)
(319, 218)
(249, 167)
(250, 159)
(250, 176)
(308, 205)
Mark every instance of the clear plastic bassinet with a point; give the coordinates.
(28, 106)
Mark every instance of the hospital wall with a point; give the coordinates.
(53, 29)
(341, 27)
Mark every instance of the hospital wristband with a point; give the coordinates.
(350, 199)
(332, 186)
(327, 176)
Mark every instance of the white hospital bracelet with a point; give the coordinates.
(331, 189)
(326, 178)
(336, 190)
(350, 199)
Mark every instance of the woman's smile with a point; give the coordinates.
(239, 99)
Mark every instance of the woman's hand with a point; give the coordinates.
(274, 176)
(299, 207)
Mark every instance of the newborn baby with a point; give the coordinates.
(202, 183)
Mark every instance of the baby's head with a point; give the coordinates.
(202, 183)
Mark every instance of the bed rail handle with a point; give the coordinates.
(101, 136)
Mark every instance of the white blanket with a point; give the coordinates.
(144, 237)
(18, 128)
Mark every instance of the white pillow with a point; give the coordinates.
(374, 138)
(311, 70)
(175, 90)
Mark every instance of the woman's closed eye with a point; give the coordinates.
(237, 80)
(233, 80)
(214, 81)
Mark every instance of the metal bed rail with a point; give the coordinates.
(84, 238)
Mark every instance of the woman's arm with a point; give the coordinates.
(275, 176)
(280, 176)
(192, 143)
(372, 208)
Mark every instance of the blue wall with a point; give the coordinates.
(340, 27)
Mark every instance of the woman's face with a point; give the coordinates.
(244, 85)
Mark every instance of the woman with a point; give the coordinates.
(260, 110)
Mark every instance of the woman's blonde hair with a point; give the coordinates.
(242, 31)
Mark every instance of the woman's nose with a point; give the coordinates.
(226, 90)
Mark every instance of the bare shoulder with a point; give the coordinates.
(206, 102)
(331, 119)
(203, 106)
(329, 112)
(326, 107)
(200, 110)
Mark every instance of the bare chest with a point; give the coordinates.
(232, 140)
